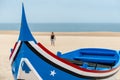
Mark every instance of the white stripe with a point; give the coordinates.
(68, 67)
(30, 66)
(15, 51)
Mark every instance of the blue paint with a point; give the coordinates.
(25, 34)
(25, 67)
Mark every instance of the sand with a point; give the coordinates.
(65, 42)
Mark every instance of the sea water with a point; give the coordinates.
(64, 27)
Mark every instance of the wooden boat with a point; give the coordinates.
(30, 60)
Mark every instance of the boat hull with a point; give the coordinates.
(37, 62)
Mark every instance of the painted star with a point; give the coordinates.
(52, 73)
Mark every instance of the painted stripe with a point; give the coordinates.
(95, 71)
(53, 64)
(15, 52)
(69, 67)
(50, 53)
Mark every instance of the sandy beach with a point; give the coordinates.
(65, 42)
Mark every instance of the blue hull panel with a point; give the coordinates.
(43, 68)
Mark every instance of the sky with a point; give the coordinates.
(61, 11)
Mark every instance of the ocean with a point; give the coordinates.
(65, 27)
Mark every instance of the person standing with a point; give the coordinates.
(52, 37)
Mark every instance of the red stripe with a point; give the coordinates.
(13, 50)
(70, 64)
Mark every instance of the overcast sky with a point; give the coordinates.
(50, 11)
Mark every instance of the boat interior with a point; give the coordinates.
(92, 59)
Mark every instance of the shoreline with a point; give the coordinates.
(96, 34)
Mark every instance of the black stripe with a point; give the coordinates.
(17, 52)
(61, 68)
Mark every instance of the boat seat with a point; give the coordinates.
(96, 54)
(95, 51)
(97, 59)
